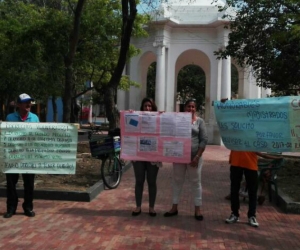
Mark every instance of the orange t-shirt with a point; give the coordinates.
(243, 159)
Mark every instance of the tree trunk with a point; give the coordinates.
(110, 107)
(129, 12)
(69, 58)
(67, 95)
(74, 112)
(54, 108)
(2, 103)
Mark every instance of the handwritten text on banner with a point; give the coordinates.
(266, 125)
(41, 148)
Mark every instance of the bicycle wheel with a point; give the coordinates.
(111, 171)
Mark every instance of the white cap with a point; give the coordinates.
(24, 98)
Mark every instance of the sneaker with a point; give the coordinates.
(232, 219)
(253, 222)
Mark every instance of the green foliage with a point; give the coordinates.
(191, 84)
(99, 45)
(265, 36)
(151, 75)
(18, 51)
(234, 79)
(34, 40)
(125, 83)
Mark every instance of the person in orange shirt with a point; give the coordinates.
(244, 163)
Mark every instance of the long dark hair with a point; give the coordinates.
(189, 101)
(146, 99)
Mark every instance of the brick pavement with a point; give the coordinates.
(106, 222)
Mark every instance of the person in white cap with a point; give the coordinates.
(23, 114)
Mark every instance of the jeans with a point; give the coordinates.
(143, 169)
(179, 172)
(251, 176)
(12, 196)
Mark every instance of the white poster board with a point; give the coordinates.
(40, 148)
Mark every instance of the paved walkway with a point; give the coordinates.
(106, 222)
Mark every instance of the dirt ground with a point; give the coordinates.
(88, 173)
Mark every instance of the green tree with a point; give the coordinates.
(40, 45)
(105, 48)
(21, 53)
(129, 14)
(69, 56)
(191, 84)
(151, 77)
(234, 80)
(265, 36)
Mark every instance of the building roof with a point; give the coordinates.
(191, 12)
(196, 2)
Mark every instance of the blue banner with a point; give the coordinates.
(265, 125)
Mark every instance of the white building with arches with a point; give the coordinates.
(184, 33)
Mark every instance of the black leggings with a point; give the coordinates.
(251, 176)
(143, 169)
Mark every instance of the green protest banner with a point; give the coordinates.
(40, 148)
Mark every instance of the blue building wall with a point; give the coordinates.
(59, 104)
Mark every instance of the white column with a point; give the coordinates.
(160, 75)
(170, 92)
(214, 94)
(226, 78)
(254, 90)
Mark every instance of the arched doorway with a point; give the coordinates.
(201, 65)
(191, 82)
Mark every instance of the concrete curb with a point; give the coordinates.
(81, 196)
(286, 204)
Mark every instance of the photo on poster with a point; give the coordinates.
(173, 148)
(148, 144)
(132, 124)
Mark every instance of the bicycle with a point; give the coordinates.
(111, 170)
(94, 130)
(107, 149)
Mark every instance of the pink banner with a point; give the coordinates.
(156, 136)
